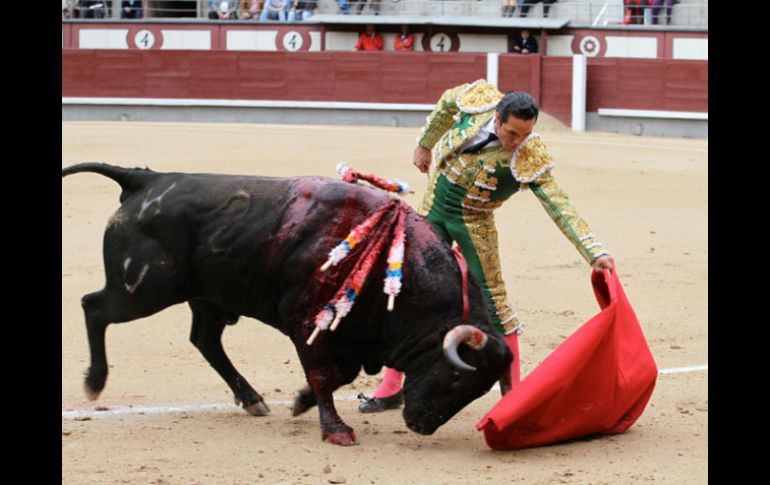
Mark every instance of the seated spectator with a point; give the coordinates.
(525, 44)
(525, 4)
(302, 10)
(275, 10)
(634, 13)
(131, 9)
(374, 6)
(344, 6)
(249, 9)
(404, 41)
(92, 9)
(221, 10)
(508, 8)
(68, 9)
(656, 4)
(369, 40)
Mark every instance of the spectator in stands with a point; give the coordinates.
(275, 10)
(508, 8)
(634, 13)
(131, 9)
(249, 9)
(369, 40)
(344, 6)
(68, 9)
(525, 4)
(404, 41)
(302, 10)
(525, 44)
(374, 6)
(221, 10)
(656, 4)
(92, 9)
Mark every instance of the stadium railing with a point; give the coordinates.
(580, 13)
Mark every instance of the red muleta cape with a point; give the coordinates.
(597, 382)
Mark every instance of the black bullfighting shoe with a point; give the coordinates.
(379, 404)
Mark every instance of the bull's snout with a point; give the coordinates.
(422, 421)
(421, 428)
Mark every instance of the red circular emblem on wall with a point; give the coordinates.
(440, 42)
(144, 37)
(590, 45)
(292, 40)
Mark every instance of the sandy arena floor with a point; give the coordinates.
(646, 198)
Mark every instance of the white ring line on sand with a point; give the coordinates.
(680, 370)
(183, 408)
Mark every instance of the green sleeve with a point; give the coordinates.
(560, 209)
(441, 119)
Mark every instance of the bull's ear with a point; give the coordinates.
(467, 334)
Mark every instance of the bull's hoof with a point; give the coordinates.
(303, 402)
(93, 384)
(259, 408)
(298, 408)
(341, 438)
(91, 393)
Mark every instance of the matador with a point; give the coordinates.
(481, 149)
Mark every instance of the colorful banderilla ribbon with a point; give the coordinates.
(380, 230)
(352, 176)
(395, 261)
(358, 234)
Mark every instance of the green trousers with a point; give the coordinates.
(476, 235)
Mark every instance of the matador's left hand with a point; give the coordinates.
(603, 262)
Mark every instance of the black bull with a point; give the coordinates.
(237, 245)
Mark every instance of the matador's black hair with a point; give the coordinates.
(519, 104)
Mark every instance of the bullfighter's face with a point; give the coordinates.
(514, 131)
(434, 394)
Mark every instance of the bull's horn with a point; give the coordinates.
(475, 338)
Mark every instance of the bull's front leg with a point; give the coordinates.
(333, 429)
(324, 380)
(305, 398)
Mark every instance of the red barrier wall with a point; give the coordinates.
(520, 73)
(66, 36)
(412, 77)
(556, 97)
(547, 79)
(383, 77)
(658, 84)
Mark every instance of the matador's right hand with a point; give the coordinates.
(421, 158)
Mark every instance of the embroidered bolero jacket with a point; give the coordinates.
(493, 174)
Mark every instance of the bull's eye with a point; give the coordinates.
(455, 376)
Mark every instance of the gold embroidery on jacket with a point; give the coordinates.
(483, 235)
(428, 198)
(560, 209)
(481, 95)
(531, 160)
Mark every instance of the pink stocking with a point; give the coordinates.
(391, 383)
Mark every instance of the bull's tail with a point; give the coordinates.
(129, 179)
